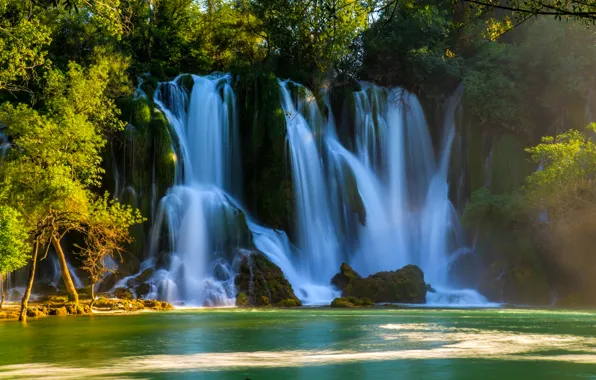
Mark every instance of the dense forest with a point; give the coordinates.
(86, 152)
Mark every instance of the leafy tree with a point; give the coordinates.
(23, 44)
(13, 245)
(309, 36)
(566, 180)
(55, 159)
(106, 230)
(411, 45)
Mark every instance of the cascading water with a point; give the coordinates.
(200, 217)
(392, 188)
(381, 207)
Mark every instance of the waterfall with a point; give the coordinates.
(383, 206)
(200, 217)
(379, 207)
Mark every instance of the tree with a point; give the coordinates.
(106, 230)
(13, 245)
(308, 37)
(55, 158)
(566, 179)
(23, 44)
(584, 10)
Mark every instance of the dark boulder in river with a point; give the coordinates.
(405, 285)
(261, 283)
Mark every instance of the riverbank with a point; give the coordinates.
(59, 306)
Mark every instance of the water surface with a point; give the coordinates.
(305, 344)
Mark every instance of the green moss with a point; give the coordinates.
(266, 168)
(149, 86)
(351, 302)
(242, 299)
(404, 285)
(187, 82)
(510, 164)
(261, 283)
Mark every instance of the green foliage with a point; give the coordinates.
(487, 209)
(308, 38)
(22, 49)
(263, 136)
(410, 46)
(107, 228)
(569, 168)
(13, 241)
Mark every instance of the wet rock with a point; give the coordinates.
(405, 285)
(351, 302)
(143, 289)
(345, 275)
(157, 305)
(108, 283)
(58, 311)
(123, 293)
(34, 312)
(261, 283)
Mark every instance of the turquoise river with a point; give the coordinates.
(304, 344)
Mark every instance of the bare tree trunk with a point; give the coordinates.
(92, 294)
(2, 289)
(25, 301)
(68, 283)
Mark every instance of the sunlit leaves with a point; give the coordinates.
(13, 241)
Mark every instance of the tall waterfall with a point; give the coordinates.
(379, 207)
(199, 215)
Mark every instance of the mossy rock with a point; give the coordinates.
(242, 299)
(123, 293)
(149, 86)
(405, 285)
(351, 302)
(34, 312)
(290, 302)
(261, 283)
(187, 82)
(58, 311)
(143, 289)
(157, 305)
(345, 275)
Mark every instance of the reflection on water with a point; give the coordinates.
(305, 344)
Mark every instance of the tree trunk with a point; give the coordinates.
(2, 286)
(68, 284)
(92, 294)
(25, 301)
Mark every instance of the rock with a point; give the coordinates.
(290, 302)
(123, 293)
(242, 299)
(34, 312)
(345, 275)
(143, 289)
(351, 302)
(142, 277)
(58, 311)
(107, 283)
(157, 305)
(405, 285)
(261, 283)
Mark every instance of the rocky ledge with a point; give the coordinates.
(405, 285)
(261, 283)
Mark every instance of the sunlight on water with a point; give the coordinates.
(394, 342)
